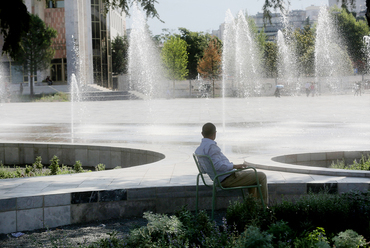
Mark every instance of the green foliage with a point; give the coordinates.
(147, 5)
(6, 173)
(352, 31)
(270, 54)
(175, 58)
(77, 167)
(38, 163)
(120, 55)
(100, 167)
(37, 52)
(54, 166)
(55, 97)
(254, 238)
(37, 169)
(200, 231)
(281, 232)
(305, 49)
(349, 239)
(333, 212)
(363, 164)
(161, 231)
(196, 42)
(318, 235)
(112, 241)
(14, 22)
(248, 212)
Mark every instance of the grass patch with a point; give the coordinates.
(56, 97)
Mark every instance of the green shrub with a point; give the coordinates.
(100, 167)
(77, 167)
(281, 232)
(161, 231)
(248, 212)
(333, 212)
(54, 97)
(254, 238)
(363, 164)
(28, 170)
(6, 173)
(54, 166)
(349, 239)
(112, 241)
(37, 164)
(200, 231)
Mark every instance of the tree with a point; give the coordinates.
(37, 51)
(120, 54)
(197, 43)
(175, 59)
(210, 65)
(352, 31)
(270, 54)
(147, 5)
(14, 22)
(305, 49)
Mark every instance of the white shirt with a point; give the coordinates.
(221, 163)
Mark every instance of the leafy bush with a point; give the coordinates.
(363, 164)
(77, 167)
(112, 241)
(161, 231)
(248, 212)
(37, 164)
(100, 167)
(349, 239)
(254, 238)
(333, 212)
(54, 166)
(200, 231)
(54, 97)
(281, 232)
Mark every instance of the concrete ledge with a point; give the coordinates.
(49, 211)
(310, 163)
(68, 154)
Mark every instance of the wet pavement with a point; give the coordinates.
(246, 127)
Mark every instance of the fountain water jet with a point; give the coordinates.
(288, 71)
(241, 61)
(145, 67)
(331, 59)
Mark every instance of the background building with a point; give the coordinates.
(83, 45)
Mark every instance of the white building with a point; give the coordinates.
(83, 43)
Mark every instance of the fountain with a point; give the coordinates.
(122, 132)
(145, 69)
(288, 71)
(331, 59)
(241, 61)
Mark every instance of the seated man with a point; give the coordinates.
(222, 164)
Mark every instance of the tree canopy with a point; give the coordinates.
(14, 22)
(120, 54)
(352, 31)
(175, 58)
(37, 51)
(197, 43)
(210, 65)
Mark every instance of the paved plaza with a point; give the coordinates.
(245, 127)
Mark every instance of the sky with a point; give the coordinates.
(207, 15)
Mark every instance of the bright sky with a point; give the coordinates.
(207, 15)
